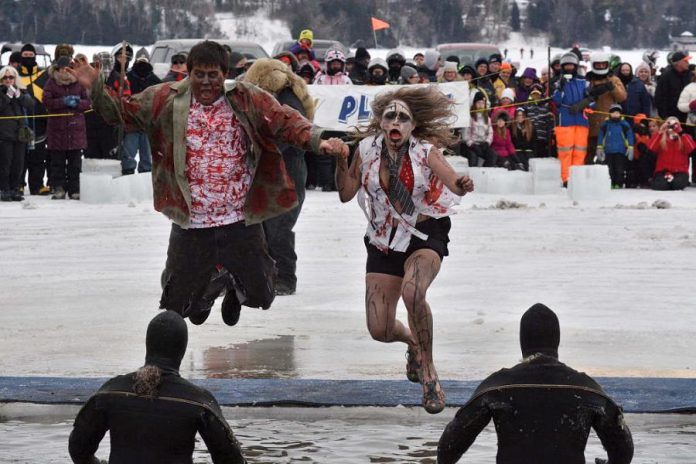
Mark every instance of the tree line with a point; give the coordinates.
(619, 23)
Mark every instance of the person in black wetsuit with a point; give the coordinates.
(153, 414)
(542, 409)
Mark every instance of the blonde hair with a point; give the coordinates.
(11, 70)
(432, 112)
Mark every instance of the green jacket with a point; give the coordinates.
(162, 110)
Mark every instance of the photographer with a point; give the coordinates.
(14, 133)
(673, 148)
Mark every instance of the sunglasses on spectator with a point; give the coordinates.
(392, 115)
(8, 77)
(178, 61)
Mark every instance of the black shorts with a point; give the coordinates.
(392, 263)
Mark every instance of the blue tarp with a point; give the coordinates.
(634, 394)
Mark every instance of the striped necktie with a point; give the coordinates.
(398, 193)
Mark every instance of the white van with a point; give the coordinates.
(163, 50)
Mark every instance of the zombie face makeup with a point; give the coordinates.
(207, 83)
(397, 122)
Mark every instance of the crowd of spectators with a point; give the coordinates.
(572, 109)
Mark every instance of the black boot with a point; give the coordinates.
(6, 195)
(17, 195)
(231, 307)
(59, 194)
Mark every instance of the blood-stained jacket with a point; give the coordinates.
(162, 110)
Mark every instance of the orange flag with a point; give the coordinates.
(378, 24)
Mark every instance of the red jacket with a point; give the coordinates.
(502, 146)
(671, 158)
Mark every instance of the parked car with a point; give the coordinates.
(319, 46)
(43, 58)
(468, 52)
(163, 50)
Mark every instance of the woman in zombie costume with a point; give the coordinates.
(407, 191)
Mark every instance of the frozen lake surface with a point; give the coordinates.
(80, 283)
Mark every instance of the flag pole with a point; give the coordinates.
(374, 33)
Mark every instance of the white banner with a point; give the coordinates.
(342, 107)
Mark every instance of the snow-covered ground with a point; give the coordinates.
(80, 282)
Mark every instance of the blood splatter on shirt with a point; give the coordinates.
(216, 165)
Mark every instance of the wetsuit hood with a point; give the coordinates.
(540, 331)
(166, 340)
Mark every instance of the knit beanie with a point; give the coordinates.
(408, 72)
(540, 331)
(28, 48)
(508, 93)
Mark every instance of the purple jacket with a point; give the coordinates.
(65, 132)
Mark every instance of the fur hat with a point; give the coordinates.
(273, 76)
(63, 50)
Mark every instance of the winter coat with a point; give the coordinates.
(114, 82)
(13, 107)
(166, 425)
(35, 80)
(298, 48)
(66, 132)
(499, 85)
(174, 76)
(542, 120)
(687, 102)
(604, 101)
(162, 110)
(637, 99)
(615, 136)
(138, 82)
(327, 79)
(527, 433)
(669, 88)
(359, 75)
(503, 145)
(480, 130)
(567, 94)
(520, 142)
(671, 158)
(486, 86)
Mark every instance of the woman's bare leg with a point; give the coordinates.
(421, 268)
(381, 297)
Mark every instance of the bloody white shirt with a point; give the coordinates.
(216, 165)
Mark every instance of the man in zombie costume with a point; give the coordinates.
(217, 173)
(542, 409)
(407, 190)
(152, 414)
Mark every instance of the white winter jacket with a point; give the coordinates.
(687, 96)
(479, 131)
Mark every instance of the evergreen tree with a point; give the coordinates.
(515, 18)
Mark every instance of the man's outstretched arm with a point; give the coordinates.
(462, 431)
